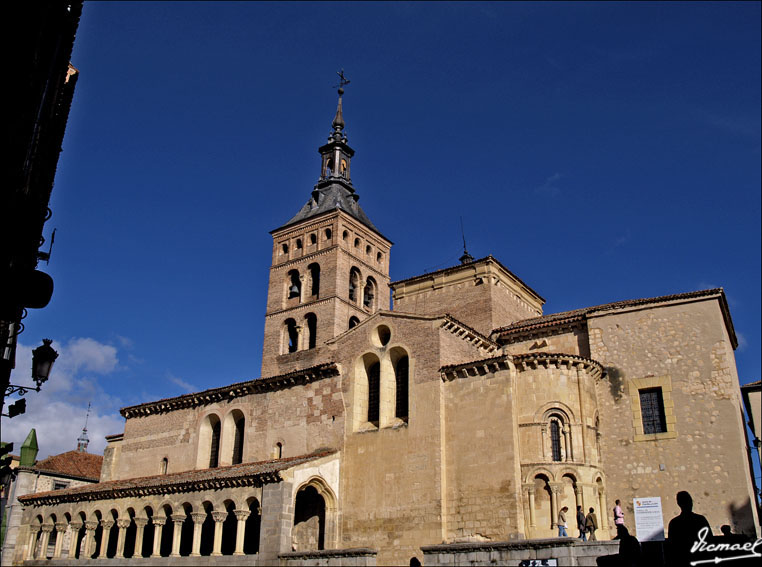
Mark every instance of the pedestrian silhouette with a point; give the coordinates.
(684, 532)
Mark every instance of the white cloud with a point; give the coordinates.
(182, 383)
(742, 342)
(549, 187)
(58, 411)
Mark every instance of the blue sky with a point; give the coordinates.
(601, 151)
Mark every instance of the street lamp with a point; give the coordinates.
(43, 358)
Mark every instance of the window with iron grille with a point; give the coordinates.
(555, 439)
(652, 411)
(374, 392)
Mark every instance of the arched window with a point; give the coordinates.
(315, 277)
(555, 438)
(401, 371)
(294, 285)
(164, 464)
(374, 392)
(353, 322)
(379, 257)
(357, 242)
(214, 449)
(313, 238)
(344, 235)
(240, 423)
(369, 294)
(343, 168)
(354, 284)
(291, 339)
(279, 450)
(298, 243)
(284, 248)
(311, 320)
(329, 168)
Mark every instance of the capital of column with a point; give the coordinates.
(61, 526)
(529, 488)
(47, 528)
(577, 490)
(241, 514)
(555, 487)
(219, 517)
(76, 526)
(178, 518)
(123, 524)
(158, 520)
(91, 526)
(141, 522)
(107, 524)
(198, 517)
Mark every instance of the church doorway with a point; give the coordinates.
(309, 520)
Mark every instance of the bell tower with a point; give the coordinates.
(330, 264)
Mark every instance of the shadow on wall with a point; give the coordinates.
(616, 382)
(741, 519)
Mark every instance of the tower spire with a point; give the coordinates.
(466, 258)
(338, 120)
(83, 440)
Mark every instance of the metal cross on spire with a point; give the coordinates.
(342, 81)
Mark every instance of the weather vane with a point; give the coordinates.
(342, 81)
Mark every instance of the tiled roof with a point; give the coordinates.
(213, 395)
(566, 317)
(246, 474)
(79, 464)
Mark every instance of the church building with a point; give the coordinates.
(463, 414)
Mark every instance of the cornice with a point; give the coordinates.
(476, 367)
(546, 359)
(224, 393)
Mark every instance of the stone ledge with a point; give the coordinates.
(324, 553)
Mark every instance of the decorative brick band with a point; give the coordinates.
(259, 385)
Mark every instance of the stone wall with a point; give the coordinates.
(682, 347)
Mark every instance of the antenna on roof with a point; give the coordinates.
(466, 258)
(83, 440)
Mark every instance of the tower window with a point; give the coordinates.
(354, 284)
(652, 411)
(284, 248)
(298, 243)
(164, 464)
(294, 285)
(313, 238)
(369, 293)
(374, 392)
(311, 320)
(344, 235)
(315, 277)
(353, 322)
(367, 249)
(292, 336)
(328, 234)
(343, 168)
(357, 242)
(379, 257)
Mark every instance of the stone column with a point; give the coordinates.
(198, 521)
(218, 518)
(61, 528)
(33, 531)
(530, 490)
(543, 438)
(277, 521)
(555, 490)
(567, 444)
(122, 524)
(106, 525)
(578, 498)
(241, 516)
(158, 525)
(603, 512)
(47, 529)
(140, 526)
(177, 532)
(75, 527)
(90, 528)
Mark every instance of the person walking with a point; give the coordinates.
(581, 523)
(562, 522)
(591, 524)
(618, 517)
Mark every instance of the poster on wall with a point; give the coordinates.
(649, 521)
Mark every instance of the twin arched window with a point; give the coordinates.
(560, 437)
(390, 375)
(220, 442)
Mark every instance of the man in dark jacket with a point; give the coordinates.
(581, 523)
